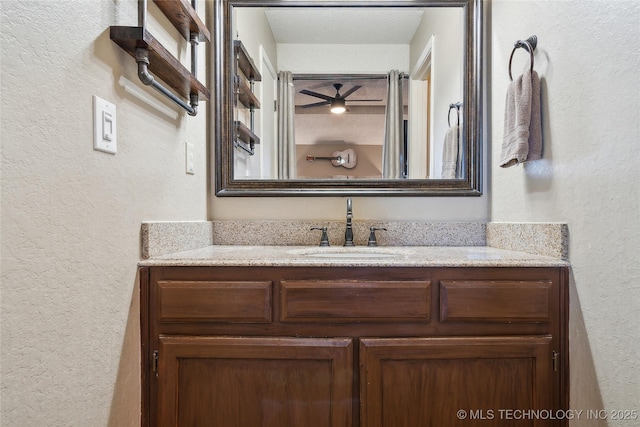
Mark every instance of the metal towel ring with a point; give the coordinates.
(457, 106)
(529, 45)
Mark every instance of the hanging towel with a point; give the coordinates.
(522, 121)
(450, 153)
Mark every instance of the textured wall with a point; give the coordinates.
(589, 177)
(71, 216)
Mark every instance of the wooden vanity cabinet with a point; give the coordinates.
(354, 346)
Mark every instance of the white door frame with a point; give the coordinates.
(420, 132)
(268, 112)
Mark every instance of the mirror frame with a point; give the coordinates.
(222, 113)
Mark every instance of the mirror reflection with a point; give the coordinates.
(344, 93)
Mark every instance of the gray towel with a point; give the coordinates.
(450, 153)
(522, 121)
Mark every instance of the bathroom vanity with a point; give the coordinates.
(300, 336)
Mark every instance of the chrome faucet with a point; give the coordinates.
(348, 232)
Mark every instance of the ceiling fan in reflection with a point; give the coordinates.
(337, 102)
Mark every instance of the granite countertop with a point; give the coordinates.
(359, 256)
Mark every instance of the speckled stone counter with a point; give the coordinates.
(163, 237)
(540, 238)
(299, 233)
(361, 256)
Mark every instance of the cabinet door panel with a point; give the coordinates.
(421, 382)
(268, 382)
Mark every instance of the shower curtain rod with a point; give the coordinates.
(343, 76)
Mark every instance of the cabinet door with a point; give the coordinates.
(262, 382)
(420, 382)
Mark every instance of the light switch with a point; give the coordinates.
(107, 126)
(104, 126)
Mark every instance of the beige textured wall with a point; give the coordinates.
(589, 177)
(71, 215)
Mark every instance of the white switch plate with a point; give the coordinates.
(189, 159)
(104, 126)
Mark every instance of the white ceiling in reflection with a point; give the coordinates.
(344, 25)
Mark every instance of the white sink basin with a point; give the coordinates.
(353, 255)
(357, 252)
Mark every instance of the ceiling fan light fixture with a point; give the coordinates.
(338, 106)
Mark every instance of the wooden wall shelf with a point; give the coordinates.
(245, 94)
(245, 134)
(246, 74)
(161, 62)
(182, 15)
(245, 63)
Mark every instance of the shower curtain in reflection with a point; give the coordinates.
(392, 150)
(286, 129)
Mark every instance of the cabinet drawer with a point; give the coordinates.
(495, 301)
(215, 301)
(334, 301)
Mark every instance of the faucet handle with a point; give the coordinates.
(324, 239)
(372, 236)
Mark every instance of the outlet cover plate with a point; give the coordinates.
(189, 159)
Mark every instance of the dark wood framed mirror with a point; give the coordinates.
(412, 120)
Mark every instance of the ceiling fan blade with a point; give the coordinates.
(317, 104)
(316, 94)
(350, 91)
(365, 100)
